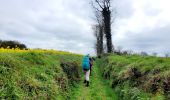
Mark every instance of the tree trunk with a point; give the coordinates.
(98, 33)
(101, 39)
(107, 29)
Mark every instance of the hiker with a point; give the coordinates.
(91, 64)
(86, 69)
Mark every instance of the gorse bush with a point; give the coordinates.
(137, 77)
(36, 74)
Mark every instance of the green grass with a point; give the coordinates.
(98, 89)
(35, 75)
(56, 75)
(135, 77)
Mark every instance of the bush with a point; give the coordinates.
(12, 44)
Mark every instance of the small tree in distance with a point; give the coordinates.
(154, 54)
(144, 53)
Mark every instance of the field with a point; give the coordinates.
(37, 74)
(57, 75)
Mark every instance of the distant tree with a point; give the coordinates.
(166, 55)
(130, 52)
(104, 7)
(127, 52)
(154, 54)
(12, 44)
(144, 53)
(119, 48)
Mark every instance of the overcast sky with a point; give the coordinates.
(141, 25)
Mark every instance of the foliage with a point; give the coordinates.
(98, 89)
(137, 77)
(35, 74)
(12, 44)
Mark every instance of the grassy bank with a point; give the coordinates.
(37, 74)
(136, 77)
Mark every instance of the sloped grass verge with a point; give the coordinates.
(36, 75)
(136, 77)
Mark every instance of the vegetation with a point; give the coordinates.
(50, 74)
(136, 77)
(98, 90)
(37, 74)
(12, 44)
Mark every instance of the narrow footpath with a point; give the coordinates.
(98, 89)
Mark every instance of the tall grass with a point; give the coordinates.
(136, 77)
(35, 74)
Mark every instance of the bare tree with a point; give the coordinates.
(104, 7)
(98, 33)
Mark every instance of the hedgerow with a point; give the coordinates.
(136, 77)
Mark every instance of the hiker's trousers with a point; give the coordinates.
(87, 74)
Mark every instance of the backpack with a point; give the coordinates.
(85, 63)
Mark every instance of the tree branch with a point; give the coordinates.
(98, 17)
(97, 1)
(94, 7)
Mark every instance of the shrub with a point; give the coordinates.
(12, 44)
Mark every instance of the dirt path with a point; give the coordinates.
(98, 89)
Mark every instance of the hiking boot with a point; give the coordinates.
(87, 83)
(84, 81)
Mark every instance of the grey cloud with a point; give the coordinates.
(156, 40)
(61, 25)
(124, 8)
(150, 9)
(66, 25)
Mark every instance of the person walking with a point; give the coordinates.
(86, 69)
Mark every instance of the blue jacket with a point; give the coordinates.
(85, 62)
